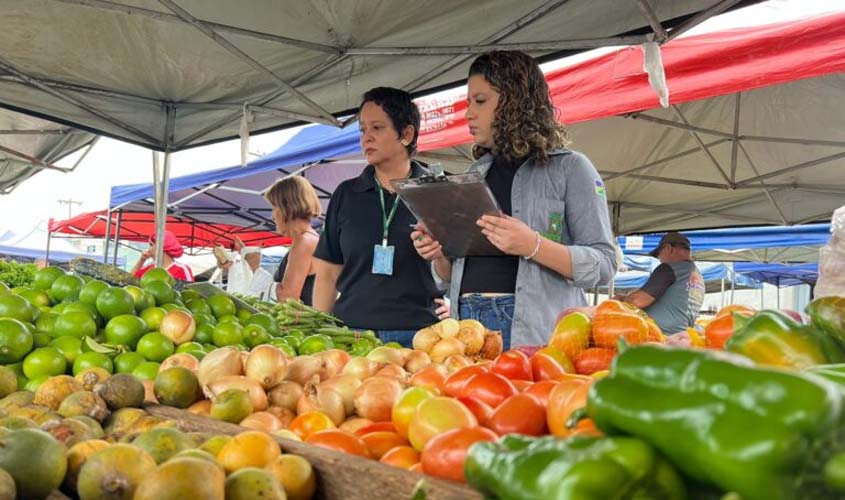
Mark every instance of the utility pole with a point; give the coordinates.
(69, 202)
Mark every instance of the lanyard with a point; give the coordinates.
(385, 218)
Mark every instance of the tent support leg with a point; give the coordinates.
(106, 237)
(733, 281)
(117, 235)
(161, 173)
(722, 294)
(762, 296)
(47, 251)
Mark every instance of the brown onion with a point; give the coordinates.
(315, 398)
(447, 328)
(262, 421)
(267, 365)
(472, 335)
(492, 347)
(455, 362)
(361, 368)
(353, 424)
(221, 362)
(425, 339)
(285, 395)
(345, 385)
(179, 326)
(374, 399)
(384, 354)
(304, 368)
(256, 392)
(445, 348)
(149, 393)
(394, 371)
(417, 360)
(335, 360)
(284, 415)
(182, 359)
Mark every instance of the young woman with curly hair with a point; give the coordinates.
(554, 233)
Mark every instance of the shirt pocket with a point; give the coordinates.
(550, 220)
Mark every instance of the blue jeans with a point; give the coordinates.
(495, 313)
(404, 337)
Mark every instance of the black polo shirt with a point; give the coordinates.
(402, 301)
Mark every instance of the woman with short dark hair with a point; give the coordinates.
(365, 252)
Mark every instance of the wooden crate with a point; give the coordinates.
(339, 475)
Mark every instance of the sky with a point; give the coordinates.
(112, 162)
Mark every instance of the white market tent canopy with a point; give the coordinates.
(29, 145)
(171, 74)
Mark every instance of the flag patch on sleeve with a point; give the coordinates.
(600, 188)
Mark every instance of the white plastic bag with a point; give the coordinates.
(832, 259)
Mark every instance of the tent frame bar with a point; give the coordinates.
(36, 162)
(42, 132)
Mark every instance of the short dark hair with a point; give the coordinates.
(400, 108)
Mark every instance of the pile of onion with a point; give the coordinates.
(453, 338)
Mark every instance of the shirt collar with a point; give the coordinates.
(367, 180)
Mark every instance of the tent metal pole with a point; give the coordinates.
(722, 294)
(735, 142)
(47, 251)
(763, 296)
(704, 148)
(733, 281)
(613, 175)
(777, 173)
(107, 236)
(159, 203)
(762, 184)
(778, 285)
(117, 235)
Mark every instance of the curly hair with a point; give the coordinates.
(525, 124)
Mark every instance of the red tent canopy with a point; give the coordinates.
(141, 226)
(615, 83)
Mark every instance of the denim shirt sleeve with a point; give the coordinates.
(587, 219)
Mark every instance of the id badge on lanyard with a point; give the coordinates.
(384, 254)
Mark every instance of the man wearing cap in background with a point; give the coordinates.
(674, 292)
(172, 250)
(246, 276)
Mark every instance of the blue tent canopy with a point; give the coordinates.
(780, 274)
(234, 195)
(713, 274)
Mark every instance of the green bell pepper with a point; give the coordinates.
(764, 433)
(828, 314)
(770, 338)
(580, 468)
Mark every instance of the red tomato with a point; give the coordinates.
(567, 397)
(521, 385)
(445, 454)
(513, 365)
(455, 383)
(593, 360)
(403, 457)
(379, 443)
(542, 390)
(520, 414)
(432, 376)
(375, 427)
(482, 411)
(310, 422)
(545, 367)
(490, 388)
(417, 467)
(338, 440)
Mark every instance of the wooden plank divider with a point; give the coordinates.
(339, 475)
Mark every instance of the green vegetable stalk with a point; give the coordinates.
(580, 468)
(764, 433)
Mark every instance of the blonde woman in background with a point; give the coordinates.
(295, 204)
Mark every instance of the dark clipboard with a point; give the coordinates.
(449, 208)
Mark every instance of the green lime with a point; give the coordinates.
(41, 339)
(44, 278)
(38, 298)
(155, 347)
(198, 306)
(203, 319)
(91, 290)
(189, 347)
(188, 295)
(92, 360)
(315, 343)
(76, 324)
(83, 307)
(284, 346)
(33, 384)
(157, 274)
(146, 370)
(153, 316)
(298, 334)
(17, 307)
(255, 335)
(227, 333)
(243, 315)
(292, 340)
(115, 301)
(45, 322)
(125, 330)
(221, 305)
(142, 299)
(44, 361)
(15, 340)
(204, 334)
(174, 307)
(66, 288)
(228, 318)
(161, 291)
(58, 308)
(69, 346)
(126, 362)
(265, 320)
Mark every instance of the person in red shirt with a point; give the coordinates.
(172, 251)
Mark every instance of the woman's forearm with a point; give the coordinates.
(554, 256)
(443, 268)
(325, 286)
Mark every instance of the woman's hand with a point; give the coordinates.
(442, 310)
(147, 254)
(508, 234)
(425, 245)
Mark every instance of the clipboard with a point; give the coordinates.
(449, 207)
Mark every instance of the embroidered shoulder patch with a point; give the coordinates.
(600, 188)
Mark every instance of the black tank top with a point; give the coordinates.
(307, 286)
